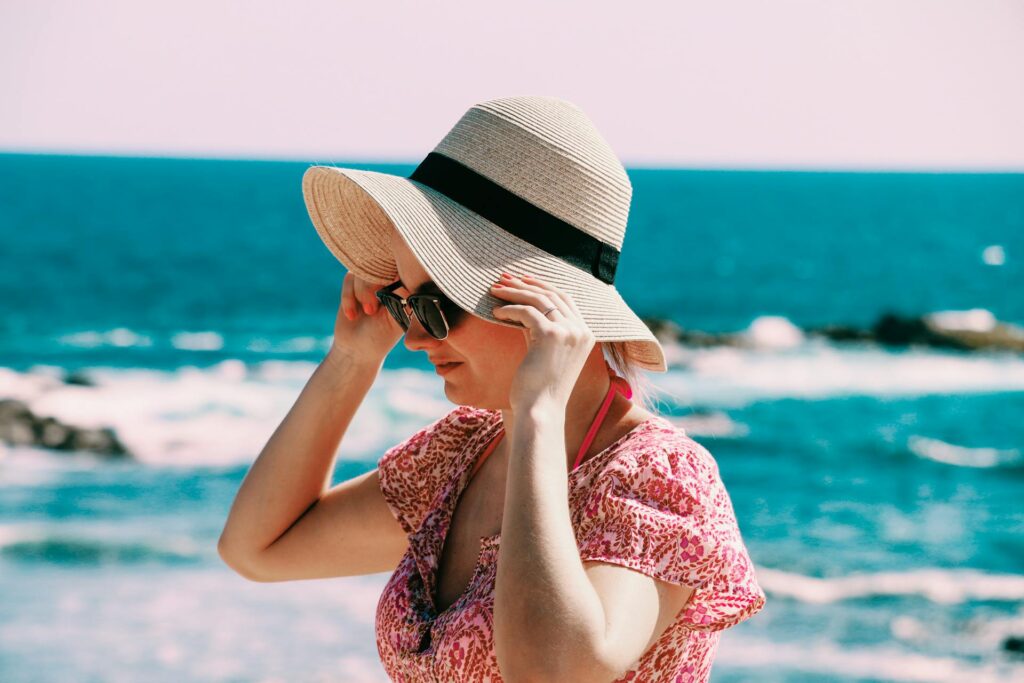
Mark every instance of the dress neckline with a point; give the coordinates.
(428, 542)
(427, 549)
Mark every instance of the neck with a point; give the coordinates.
(582, 407)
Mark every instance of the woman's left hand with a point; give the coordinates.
(558, 343)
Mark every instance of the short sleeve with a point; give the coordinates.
(413, 471)
(662, 509)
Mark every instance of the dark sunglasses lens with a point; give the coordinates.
(430, 316)
(396, 310)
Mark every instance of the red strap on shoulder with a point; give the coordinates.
(487, 451)
(617, 384)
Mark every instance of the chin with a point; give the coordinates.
(459, 396)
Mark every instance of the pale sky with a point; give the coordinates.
(902, 84)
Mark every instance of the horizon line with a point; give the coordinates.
(637, 164)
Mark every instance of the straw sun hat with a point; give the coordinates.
(519, 184)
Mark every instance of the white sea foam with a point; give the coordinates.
(296, 345)
(730, 377)
(223, 414)
(187, 340)
(119, 337)
(888, 662)
(972, 320)
(944, 586)
(174, 622)
(773, 332)
(951, 454)
(994, 255)
(197, 341)
(716, 424)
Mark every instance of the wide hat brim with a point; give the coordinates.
(463, 252)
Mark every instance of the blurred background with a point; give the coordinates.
(827, 232)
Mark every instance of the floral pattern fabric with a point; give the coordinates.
(652, 501)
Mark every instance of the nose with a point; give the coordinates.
(417, 338)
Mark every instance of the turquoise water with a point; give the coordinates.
(878, 488)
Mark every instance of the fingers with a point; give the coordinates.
(348, 300)
(527, 316)
(518, 291)
(529, 299)
(562, 297)
(358, 296)
(366, 296)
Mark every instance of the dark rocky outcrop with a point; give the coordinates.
(1014, 645)
(19, 426)
(78, 378)
(890, 329)
(668, 331)
(895, 330)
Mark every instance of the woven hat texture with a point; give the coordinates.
(543, 150)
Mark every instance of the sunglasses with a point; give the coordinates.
(436, 312)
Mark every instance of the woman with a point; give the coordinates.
(620, 557)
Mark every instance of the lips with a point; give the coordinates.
(443, 368)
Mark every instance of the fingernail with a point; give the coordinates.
(348, 313)
(506, 275)
(368, 307)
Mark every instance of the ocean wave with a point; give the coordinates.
(714, 423)
(943, 586)
(734, 377)
(197, 341)
(191, 340)
(120, 337)
(79, 550)
(888, 663)
(951, 454)
(223, 414)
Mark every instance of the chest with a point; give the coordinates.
(477, 515)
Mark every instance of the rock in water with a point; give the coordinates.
(19, 426)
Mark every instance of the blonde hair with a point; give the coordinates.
(643, 389)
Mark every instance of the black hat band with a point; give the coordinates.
(516, 215)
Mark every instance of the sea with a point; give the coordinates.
(183, 303)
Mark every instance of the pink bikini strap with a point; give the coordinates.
(487, 451)
(618, 384)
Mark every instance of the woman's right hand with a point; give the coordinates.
(363, 327)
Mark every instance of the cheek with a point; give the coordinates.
(488, 346)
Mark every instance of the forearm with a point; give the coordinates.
(548, 619)
(294, 468)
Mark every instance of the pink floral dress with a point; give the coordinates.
(652, 501)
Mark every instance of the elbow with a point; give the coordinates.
(522, 673)
(519, 663)
(532, 649)
(237, 563)
(555, 665)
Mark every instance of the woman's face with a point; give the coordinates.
(488, 353)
